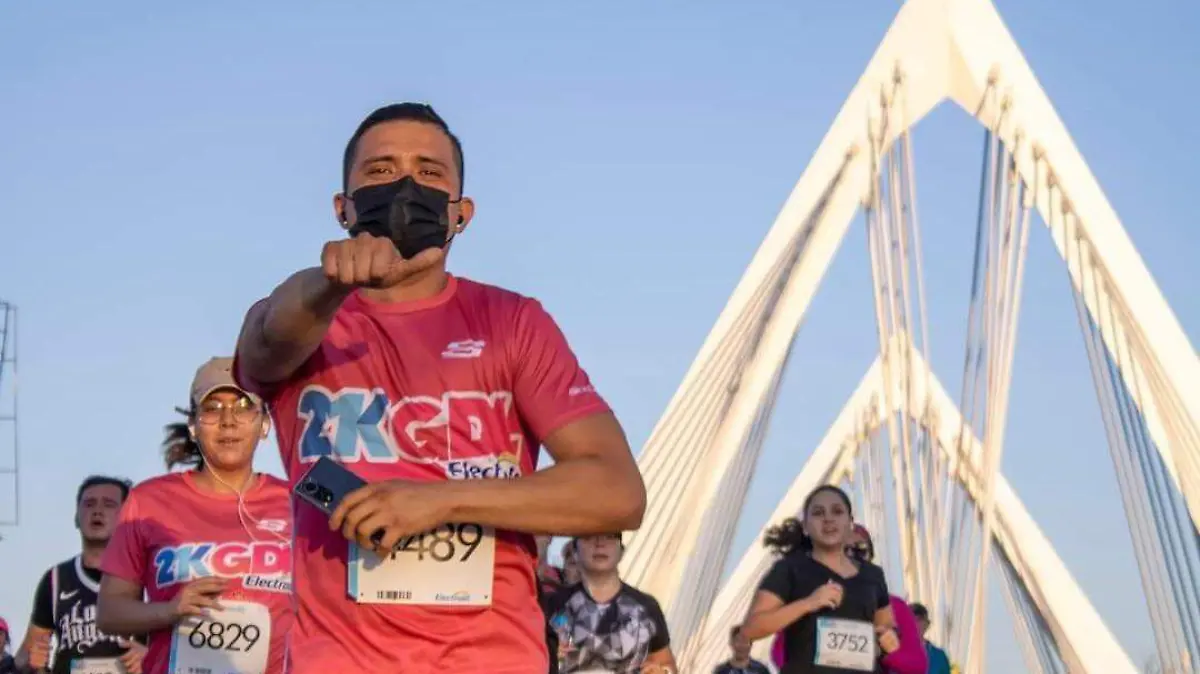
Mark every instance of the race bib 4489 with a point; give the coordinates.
(450, 565)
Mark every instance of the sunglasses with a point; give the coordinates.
(861, 551)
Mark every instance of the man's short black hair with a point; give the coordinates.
(401, 112)
(919, 611)
(96, 480)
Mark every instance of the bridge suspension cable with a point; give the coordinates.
(1165, 540)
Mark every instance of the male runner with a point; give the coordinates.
(64, 604)
(939, 662)
(438, 391)
(741, 662)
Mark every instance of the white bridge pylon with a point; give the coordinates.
(701, 455)
(1084, 642)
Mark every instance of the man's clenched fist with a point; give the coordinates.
(372, 262)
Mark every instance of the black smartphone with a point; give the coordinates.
(326, 484)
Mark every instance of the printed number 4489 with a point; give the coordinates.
(443, 543)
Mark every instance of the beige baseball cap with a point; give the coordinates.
(216, 374)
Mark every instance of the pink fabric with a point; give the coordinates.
(172, 532)
(777, 651)
(464, 385)
(910, 658)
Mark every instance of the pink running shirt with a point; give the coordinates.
(464, 385)
(172, 532)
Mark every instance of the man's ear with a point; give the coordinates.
(466, 213)
(343, 210)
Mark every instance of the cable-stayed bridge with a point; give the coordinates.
(925, 466)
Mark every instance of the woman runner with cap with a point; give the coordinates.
(209, 546)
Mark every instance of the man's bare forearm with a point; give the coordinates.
(588, 495)
(124, 615)
(283, 331)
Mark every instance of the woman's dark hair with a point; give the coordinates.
(788, 536)
(179, 447)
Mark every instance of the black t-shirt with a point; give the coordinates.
(753, 667)
(616, 636)
(551, 637)
(65, 604)
(797, 576)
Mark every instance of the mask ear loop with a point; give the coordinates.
(242, 511)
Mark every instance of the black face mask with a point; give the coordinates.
(412, 215)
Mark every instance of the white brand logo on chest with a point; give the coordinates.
(467, 348)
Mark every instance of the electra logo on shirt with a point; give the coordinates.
(469, 434)
(261, 565)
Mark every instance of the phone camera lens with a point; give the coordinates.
(309, 487)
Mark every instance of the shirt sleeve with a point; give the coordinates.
(662, 633)
(778, 582)
(885, 595)
(125, 555)
(550, 388)
(42, 615)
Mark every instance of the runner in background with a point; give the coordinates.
(910, 656)
(939, 662)
(438, 391)
(741, 662)
(549, 582)
(603, 624)
(833, 610)
(570, 567)
(64, 603)
(209, 546)
(8, 664)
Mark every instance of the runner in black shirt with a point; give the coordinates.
(603, 625)
(64, 604)
(832, 610)
(741, 662)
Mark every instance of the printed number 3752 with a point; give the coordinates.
(448, 542)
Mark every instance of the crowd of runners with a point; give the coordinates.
(437, 393)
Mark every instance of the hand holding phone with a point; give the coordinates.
(326, 485)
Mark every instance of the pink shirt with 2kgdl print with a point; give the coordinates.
(172, 531)
(464, 385)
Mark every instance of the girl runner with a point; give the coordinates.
(210, 547)
(833, 610)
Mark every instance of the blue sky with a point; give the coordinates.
(160, 170)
